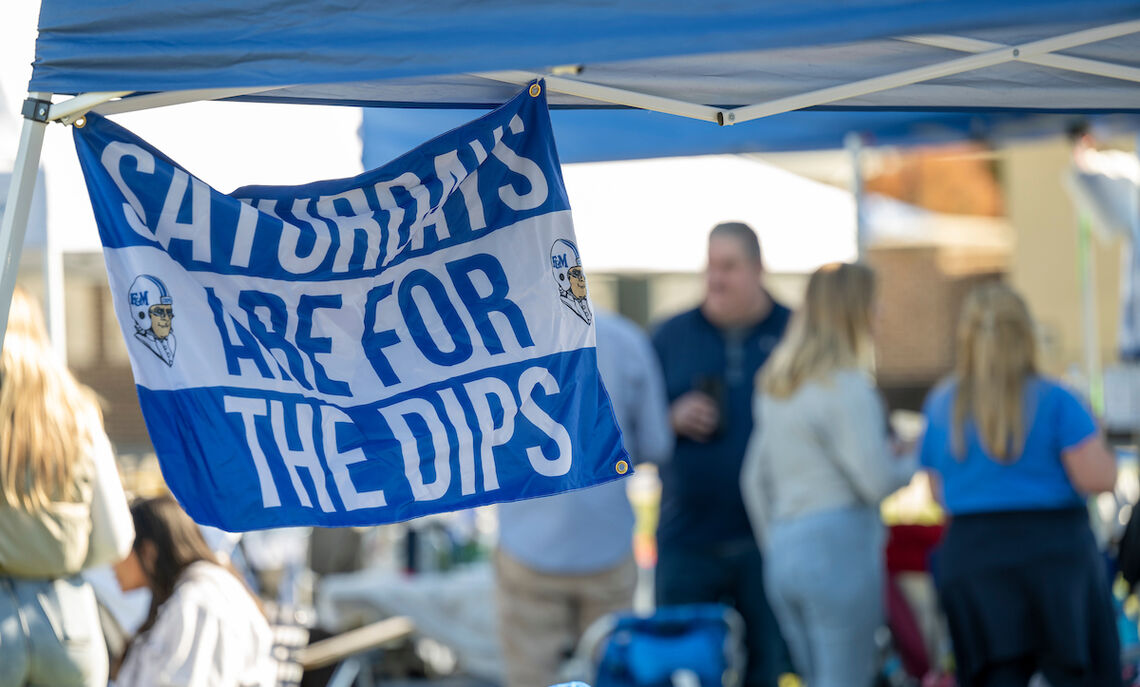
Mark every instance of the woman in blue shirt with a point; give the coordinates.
(1014, 456)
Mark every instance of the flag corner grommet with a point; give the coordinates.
(535, 90)
(622, 467)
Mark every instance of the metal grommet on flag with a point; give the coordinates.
(80, 123)
(535, 90)
(622, 467)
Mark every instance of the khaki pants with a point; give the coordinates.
(541, 616)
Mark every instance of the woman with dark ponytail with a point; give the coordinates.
(204, 627)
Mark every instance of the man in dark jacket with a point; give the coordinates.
(710, 356)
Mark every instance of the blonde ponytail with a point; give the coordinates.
(996, 353)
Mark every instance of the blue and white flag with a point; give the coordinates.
(412, 340)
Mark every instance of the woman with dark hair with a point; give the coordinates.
(1015, 456)
(204, 627)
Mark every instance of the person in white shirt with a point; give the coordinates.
(204, 627)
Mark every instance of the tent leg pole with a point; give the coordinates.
(1090, 322)
(54, 294)
(853, 141)
(19, 202)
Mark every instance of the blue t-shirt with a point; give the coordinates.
(1055, 420)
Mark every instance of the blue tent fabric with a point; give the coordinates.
(729, 52)
(598, 136)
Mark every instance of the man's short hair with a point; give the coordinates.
(743, 233)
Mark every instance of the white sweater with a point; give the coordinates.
(210, 633)
(822, 448)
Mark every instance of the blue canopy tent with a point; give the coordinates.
(725, 62)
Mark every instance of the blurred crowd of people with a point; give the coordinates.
(774, 449)
(782, 454)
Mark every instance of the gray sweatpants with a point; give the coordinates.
(824, 575)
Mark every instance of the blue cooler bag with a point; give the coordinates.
(698, 645)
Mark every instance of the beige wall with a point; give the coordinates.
(1044, 263)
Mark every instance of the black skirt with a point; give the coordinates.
(1028, 587)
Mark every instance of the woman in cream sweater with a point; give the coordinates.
(818, 464)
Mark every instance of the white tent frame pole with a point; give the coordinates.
(71, 109)
(14, 224)
(153, 100)
(609, 94)
(907, 77)
(1065, 62)
(986, 55)
(114, 102)
(853, 143)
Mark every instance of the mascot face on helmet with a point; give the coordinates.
(152, 312)
(152, 306)
(566, 267)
